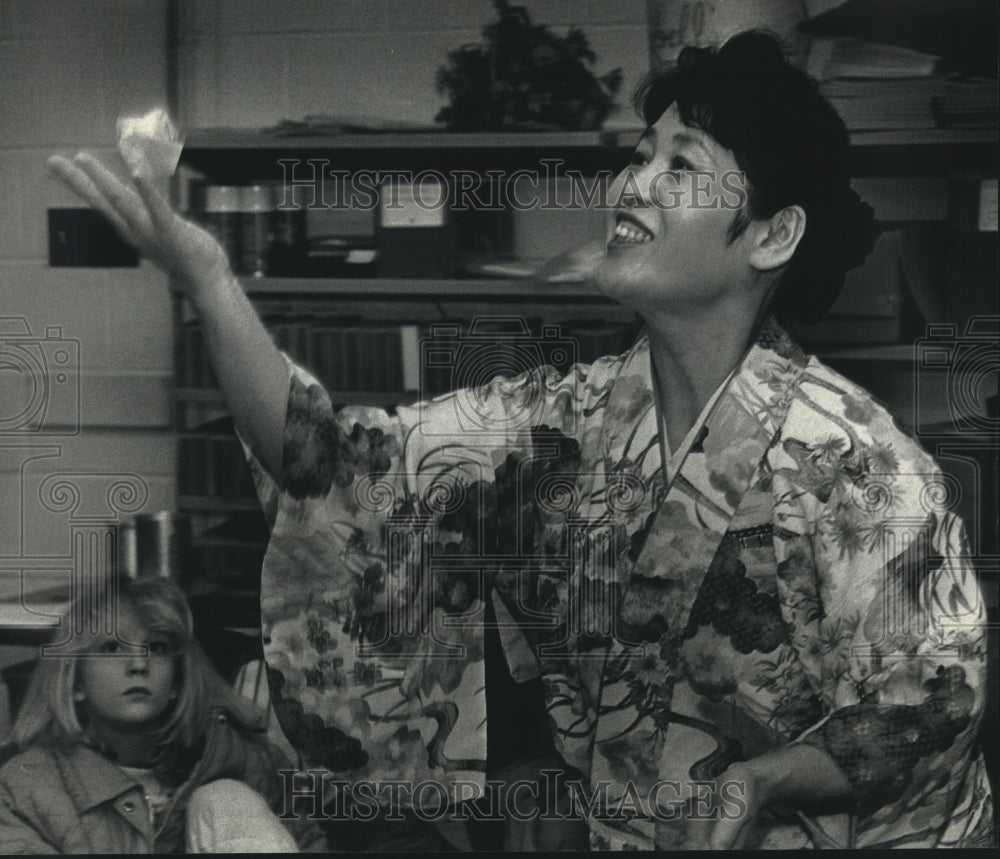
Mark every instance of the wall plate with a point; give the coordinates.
(84, 238)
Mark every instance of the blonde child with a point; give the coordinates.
(129, 741)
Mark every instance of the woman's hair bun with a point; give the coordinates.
(861, 230)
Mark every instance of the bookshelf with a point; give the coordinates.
(322, 319)
(909, 176)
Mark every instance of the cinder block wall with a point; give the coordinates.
(69, 67)
(254, 62)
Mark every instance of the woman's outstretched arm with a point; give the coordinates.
(250, 370)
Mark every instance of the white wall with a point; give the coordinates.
(68, 67)
(253, 63)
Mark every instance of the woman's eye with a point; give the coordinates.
(159, 648)
(678, 162)
(110, 647)
(638, 159)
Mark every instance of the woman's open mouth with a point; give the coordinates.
(629, 231)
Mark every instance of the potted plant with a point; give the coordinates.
(523, 77)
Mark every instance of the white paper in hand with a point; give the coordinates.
(149, 144)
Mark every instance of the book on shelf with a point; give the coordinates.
(344, 355)
(934, 101)
(872, 114)
(367, 359)
(970, 103)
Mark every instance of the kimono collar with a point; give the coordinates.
(689, 516)
(751, 405)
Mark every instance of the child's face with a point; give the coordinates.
(119, 685)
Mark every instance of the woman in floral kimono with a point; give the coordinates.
(748, 601)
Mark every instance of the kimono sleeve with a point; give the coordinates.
(324, 448)
(321, 447)
(374, 649)
(888, 618)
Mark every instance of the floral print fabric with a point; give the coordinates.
(801, 578)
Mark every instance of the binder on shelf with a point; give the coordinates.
(409, 345)
(341, 357)
(352, 370)
(317, 355)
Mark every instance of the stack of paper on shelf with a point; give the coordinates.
(870, 95)
(884, 103)
(968, 103)
(845, 57)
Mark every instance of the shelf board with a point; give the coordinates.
(250, 138)
(470, 288)
(923, 137)
(210, 503)
(896, 352)
(361, 398)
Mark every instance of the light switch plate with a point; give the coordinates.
(83, 238)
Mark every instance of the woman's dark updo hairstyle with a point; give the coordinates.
(792, 146)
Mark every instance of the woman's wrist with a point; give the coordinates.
(208, 290)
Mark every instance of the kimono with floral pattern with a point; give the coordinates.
(801, 577)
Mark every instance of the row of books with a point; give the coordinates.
(230, 554)
(372, 358)
(343, 357)
(212, 465)
(229, 565)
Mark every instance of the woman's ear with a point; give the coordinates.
(777, 238)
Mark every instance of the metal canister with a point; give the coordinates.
(256, 213)
(221, 217)
(128, 550)
(164, 543)
(288, 227)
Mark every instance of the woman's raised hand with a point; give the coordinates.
(251, 372)
(144, 219)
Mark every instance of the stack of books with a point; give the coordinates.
(969, 103)
(919, 81)
(875, 86)
(932, 101)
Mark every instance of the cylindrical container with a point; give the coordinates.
(128, 550)
(221, 217)
(164, 544)
(288, 229)
(256, 214)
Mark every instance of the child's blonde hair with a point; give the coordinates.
(51, 714)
